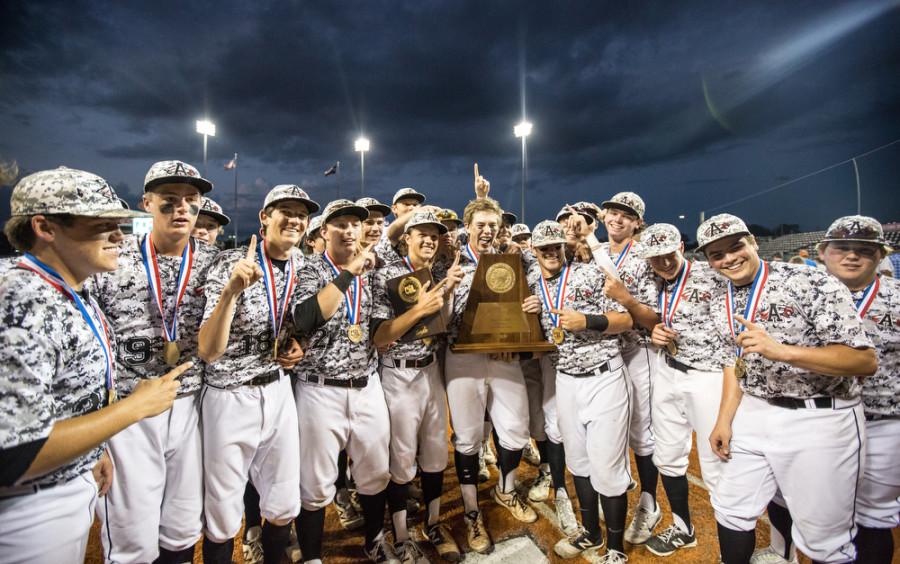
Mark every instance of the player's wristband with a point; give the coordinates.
(343, 281)
(597, 322)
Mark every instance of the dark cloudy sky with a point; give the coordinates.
(690, 104)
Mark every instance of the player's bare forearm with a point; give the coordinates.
(396, 228)
(830, 360)
(618, 322)
(731, 396)
(393, 329)
(212, 339)
(642, 314)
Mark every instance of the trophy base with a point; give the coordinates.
(480, 348)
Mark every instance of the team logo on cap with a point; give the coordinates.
(714, 229)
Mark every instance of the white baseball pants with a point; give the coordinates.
(640, 374)
(878, 500)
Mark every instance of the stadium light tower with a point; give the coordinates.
(207, 129)
(523, 130)
(362, 145)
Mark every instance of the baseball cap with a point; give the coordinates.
(447, 214)
(372, 204)
(519, 230)
(718, 227)
(856, 228)
(408, 193)
(509, 219)
(286, 192)
(659, 239)
(547, 233)
(425, 218)
(314, 225)
(337, 208)
(628, 201)
(209, 207)
(68, 191)
(175, 172)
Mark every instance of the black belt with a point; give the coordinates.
(264, 379)
(794, 403)
(360, 382)
(603, 367)
(409, 363)
(677, 365)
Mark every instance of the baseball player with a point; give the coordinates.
(210, 223)
(155, 303)
(339, 397)
(414, 389)
(404, 203)
(57, 369)
(448, 246)
(592, 393)
(623, 218)
(580, 225)
(790, 418)
(521, 235)
(479, 382)
(373, 226)
(249, 418)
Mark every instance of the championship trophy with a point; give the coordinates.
(403, 292)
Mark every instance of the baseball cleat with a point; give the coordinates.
(251, 545)
(540, 488)
(443, 543)
(408, 552)
(642, 525)
(488, 453)
(768, 555)
(531, 454)
(484, 474)
(670, 540)
(581, 544)
(514, 504)
(349, 517)
(566, 516)
(380, 552)
(477, 536)
(612, 557)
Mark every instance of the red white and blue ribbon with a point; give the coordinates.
(868, 298)
(408, 263)
(353, 295)
(154, 285)
(668, 304)
(95, 321)
(560, 295)
(277, 307)
(620, 260)
(471, 253)
(756, 292)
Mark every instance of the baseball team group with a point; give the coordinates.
(176, 392)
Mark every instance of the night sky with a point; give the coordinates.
(690, 104)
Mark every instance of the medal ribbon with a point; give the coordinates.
(277, 308)
(352, 297)
(756, 291)
(471, 253)
(868, 298)
(560, 295)
(30, 262)
(408, 264)
(668, 306)
(151, 268)
(620, 260)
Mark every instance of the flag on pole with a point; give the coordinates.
(232, 164)
(333, 169)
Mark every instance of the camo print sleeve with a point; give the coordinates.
(881, 392)
(51, 368)
(460, 298)
(329, 352)
(638, 277)
(387, 253)
(383, 309)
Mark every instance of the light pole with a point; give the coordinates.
(523, 130)
(207, 129)
(362, 145)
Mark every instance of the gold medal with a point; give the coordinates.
(171, 353)
(111, 396)
(355, 333)
(427, 341)
(275, 349)
(740, 368)
(558, 335)
(672, 348)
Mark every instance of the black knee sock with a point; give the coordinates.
(275, 539)
(466, 468)
(677, 491)
(174, 556)
(647, 474)
(341, 482)
(396, 499)
(587, 507)
(217, 552)
(615, 509)
(542, 449)
(874, 546)
(373, 512)
(432, 488)
(251, 507)
(781, 519)
(556, 458)
(507, 460)
(736, 546)
(310, 528)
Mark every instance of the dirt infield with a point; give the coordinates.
(342, 547)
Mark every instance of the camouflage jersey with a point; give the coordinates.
(881, 392)
(250, 349)
(328, 350)
(52, 368)
(637, 276)
(582, 351)
(699, 342)
(799, 306)
(386, 252)
(383, 310)
(124, 296)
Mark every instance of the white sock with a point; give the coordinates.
(434, 511)
(561, 493)
(679, 522)
(509, 481)
(399, 520)
(647, 502)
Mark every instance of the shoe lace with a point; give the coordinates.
(476, 526)
(517, 501)
(666, 536)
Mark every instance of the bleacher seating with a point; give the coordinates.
(789, 245)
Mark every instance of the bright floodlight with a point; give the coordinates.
(206, 127)
(680, 217)
(523, 129)
(361, 145)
